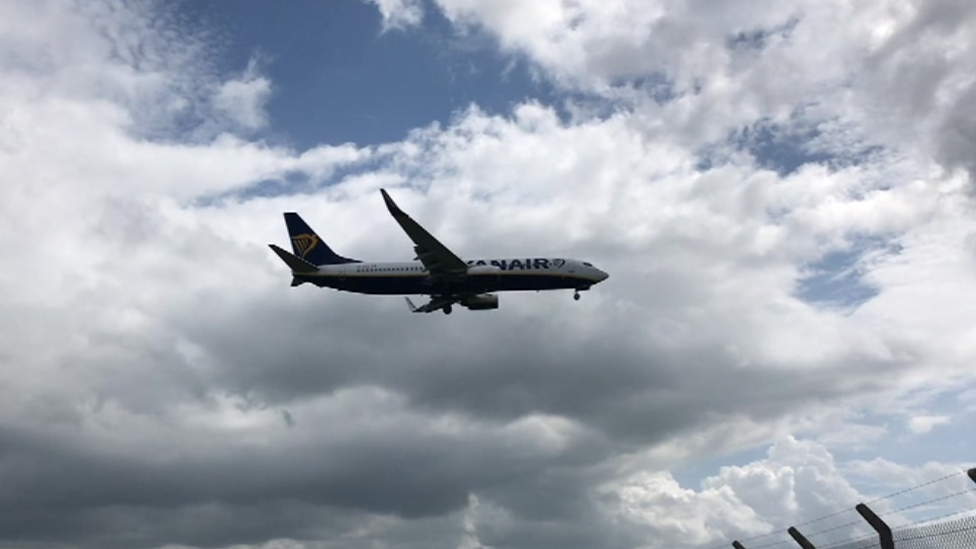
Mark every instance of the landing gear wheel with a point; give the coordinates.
(576, 296)
(448, 309)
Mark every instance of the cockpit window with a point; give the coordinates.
(587, 264)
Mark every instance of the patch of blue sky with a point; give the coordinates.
(837, 278)
(788, 145)
(771, 148)
(757, 39)
(659, 86)
(292, 183)
(949, 442)
(780, 147)
(337, 78)
(903, 502)
(297, 182)
(264, 188)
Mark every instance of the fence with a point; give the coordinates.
(956, 530)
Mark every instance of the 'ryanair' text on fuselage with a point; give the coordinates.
(519, 264)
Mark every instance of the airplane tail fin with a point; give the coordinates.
(308, 246)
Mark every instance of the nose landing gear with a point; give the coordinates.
(576, 296)
(448, 309)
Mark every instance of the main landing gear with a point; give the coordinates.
(576, 296)
(448, 309)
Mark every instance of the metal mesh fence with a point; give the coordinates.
(951, 534)
(954, 530)
(863, 543)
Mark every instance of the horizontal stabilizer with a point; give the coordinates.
(297, 264)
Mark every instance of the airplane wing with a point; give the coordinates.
(436, 257)
(435, 304)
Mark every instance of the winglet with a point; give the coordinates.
(436, 257)
(413, 308)
(390, 204)
(297, 264)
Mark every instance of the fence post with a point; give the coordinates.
(800, 538)
(737, 545)
(884, 531)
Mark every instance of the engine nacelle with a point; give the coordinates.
(481, 302)
(481, 270)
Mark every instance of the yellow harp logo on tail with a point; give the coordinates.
(304, 243)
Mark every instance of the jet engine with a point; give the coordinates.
(481, 302)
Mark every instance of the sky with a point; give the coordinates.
(782, 193)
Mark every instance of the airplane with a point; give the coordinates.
(436, 271)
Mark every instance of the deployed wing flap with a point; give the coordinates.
(435, 304)
(436, 257)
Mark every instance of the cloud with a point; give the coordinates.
(400, 14)
(924, 424)
(890, 71)
(243, 100)
(164, 385)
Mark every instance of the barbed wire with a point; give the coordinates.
(780, 531)
(850, 541)
(930, 520)
(823, 518)
(916, 487)
(835, 528)
(907, 527)
(753, 538)
(774, 544)
(927, 502)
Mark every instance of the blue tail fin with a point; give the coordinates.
(308, 246)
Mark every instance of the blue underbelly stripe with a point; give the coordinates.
(415, 284)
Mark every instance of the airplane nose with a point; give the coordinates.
(602, 276)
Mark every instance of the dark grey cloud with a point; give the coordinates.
(389, 457)
(606, 379)
(380, 450)
(56, 490)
